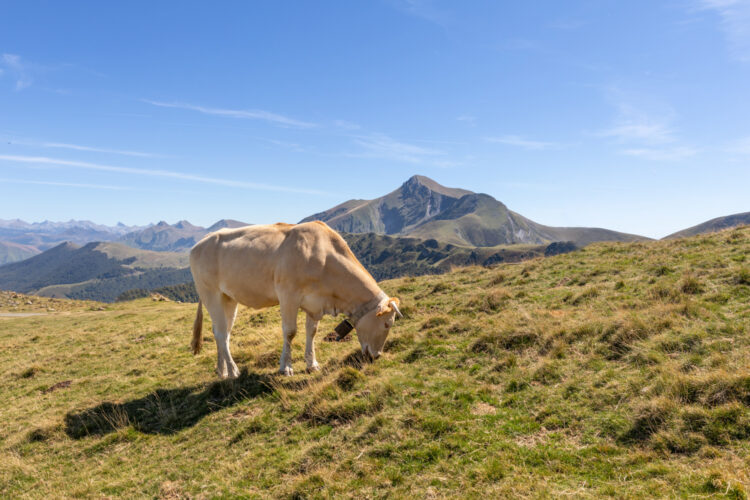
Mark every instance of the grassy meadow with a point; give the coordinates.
(620, 370)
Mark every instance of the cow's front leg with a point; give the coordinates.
(289, 330)
(311, 327)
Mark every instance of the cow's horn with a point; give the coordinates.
(395, 308)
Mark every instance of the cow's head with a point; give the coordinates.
(373, 327)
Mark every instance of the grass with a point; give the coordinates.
(616, 371)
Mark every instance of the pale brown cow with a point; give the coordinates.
(305, 266)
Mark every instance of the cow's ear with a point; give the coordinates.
(384, 308)
(388, 306)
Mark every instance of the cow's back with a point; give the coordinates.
(240, 263)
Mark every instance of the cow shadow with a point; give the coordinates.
(167, 411)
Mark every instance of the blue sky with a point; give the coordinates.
(629, 115)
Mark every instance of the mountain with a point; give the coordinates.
(98, 270)
(60, 227)
(713, 225)
(424, 209)
(164, 237)
(13, 252)
(179, 237)
(20, 240)
(231, 223)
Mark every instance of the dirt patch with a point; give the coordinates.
(532, 440)
(334, 337)
(59, 385)
(482, 408)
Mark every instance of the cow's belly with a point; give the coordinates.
(252, 298)
(253, 288)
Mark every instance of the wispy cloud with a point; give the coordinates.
(424, 9)
(467, 119)
(67, 184)
(41, 160)
(18, 70)
(249, 114)
(346, 125)
(382, 146)
(735, 23)
(633, 124)
(292, 146)
(740, 146)
(568, 24)
(77, 147)
(647, 131)
(649, 135)
(662, 154)
(522, 142)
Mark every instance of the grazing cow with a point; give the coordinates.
(305, 266)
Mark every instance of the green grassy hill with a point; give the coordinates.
(620, 370)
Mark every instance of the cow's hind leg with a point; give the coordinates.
(311, 328)
(223, 310)
(289, 329)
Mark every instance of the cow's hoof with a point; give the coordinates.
(287, 371)
(315, 367)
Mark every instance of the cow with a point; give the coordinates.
(304, 266)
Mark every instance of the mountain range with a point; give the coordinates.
(20, 240)
(420, 228)
(422, 208)
(180, 237)
(107, 271)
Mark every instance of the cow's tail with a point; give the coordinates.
(197, 342)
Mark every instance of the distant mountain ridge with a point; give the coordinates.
(179, 237)
(20, 240)
(422, 208)
(56, 227)
(713, 225)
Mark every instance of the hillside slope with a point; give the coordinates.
(96, 270)
(713, 225)
(14, 252)
(424, 209)
(616, 371)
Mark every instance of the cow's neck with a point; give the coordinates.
(356, 288)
